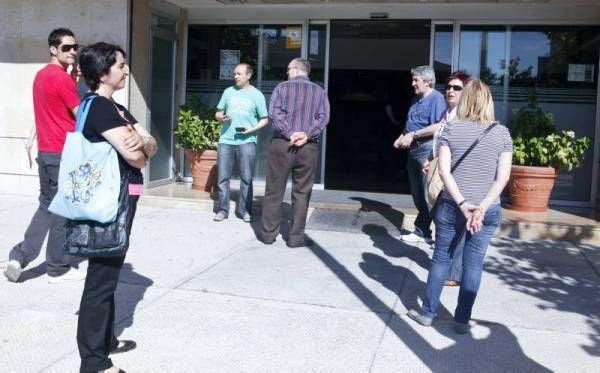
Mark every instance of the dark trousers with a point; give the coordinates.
(95, 326)
(418, 185)
(302, 163)
(44, 222)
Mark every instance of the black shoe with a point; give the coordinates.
(123, 346)
(306, 243)
(265, 241)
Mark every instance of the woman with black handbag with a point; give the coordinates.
(470, 200)
(104, 69)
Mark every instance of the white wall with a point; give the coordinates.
(24, 29)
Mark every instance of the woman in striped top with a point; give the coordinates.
(470, 202)
(454, 86)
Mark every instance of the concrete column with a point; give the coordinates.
(139, 61)
(24, 26)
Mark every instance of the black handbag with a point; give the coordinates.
(91, 239)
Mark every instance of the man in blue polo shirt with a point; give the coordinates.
(426, 110)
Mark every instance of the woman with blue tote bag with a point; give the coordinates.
(104, 69)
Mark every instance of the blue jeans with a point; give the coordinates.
(418, 185)
(449, 230)
(245, 155)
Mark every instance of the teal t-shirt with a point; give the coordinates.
(245, 107)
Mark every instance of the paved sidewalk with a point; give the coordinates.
(201, 296)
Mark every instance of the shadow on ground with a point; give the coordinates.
(501, 350)
(130, 292)
(544, 270)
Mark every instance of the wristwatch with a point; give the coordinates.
(414, 134)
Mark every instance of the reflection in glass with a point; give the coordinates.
(317, 39)
(482, 54)
(560, 63)
(547, 57)
(161, 107)
(442, 54)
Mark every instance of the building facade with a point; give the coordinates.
(360, 51)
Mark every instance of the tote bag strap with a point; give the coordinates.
(473, 145)
(82, 112)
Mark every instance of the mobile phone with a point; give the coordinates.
(240, 129)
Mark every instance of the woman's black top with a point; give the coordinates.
(104, 115)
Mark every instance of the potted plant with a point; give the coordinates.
(539, 152)
(198, 134)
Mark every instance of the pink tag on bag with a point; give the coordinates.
(136, 189)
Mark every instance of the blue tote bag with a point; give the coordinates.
(89, 178)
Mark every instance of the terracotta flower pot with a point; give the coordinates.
(204, 169)
(530, 187)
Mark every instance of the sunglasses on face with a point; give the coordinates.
(456, 88)
(67, 47)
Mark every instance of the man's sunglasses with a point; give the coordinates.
(67, 47)
(456, 88)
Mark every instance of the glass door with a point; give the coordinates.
(370, 93)
(267, 48)
(162, 96)
(317, 54)
(513, 60)
(278, 45)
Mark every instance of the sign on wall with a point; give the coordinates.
(229, 59)
(581, 73)
(293, 37)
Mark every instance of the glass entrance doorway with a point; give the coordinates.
(162, 99)
(370, 92)
(267, 48)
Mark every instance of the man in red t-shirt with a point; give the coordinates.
(55, 103)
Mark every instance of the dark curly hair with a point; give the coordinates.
(96, 60)
(461, 75)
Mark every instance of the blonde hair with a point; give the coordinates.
(476, 103)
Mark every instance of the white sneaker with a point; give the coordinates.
(13, 271)
(416, 236)
(69, 276)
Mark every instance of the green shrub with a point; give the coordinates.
(536, 142)
(197, 129)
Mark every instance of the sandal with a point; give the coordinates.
(451, 283)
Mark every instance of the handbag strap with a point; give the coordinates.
(473, 145)
(82, 112)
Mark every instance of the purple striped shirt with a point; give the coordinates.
(298, 105)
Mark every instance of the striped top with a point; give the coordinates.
(298, 105)
(477, 172)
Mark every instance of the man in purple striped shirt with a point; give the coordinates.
(299, 111)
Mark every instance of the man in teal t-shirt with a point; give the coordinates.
(243, 111)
